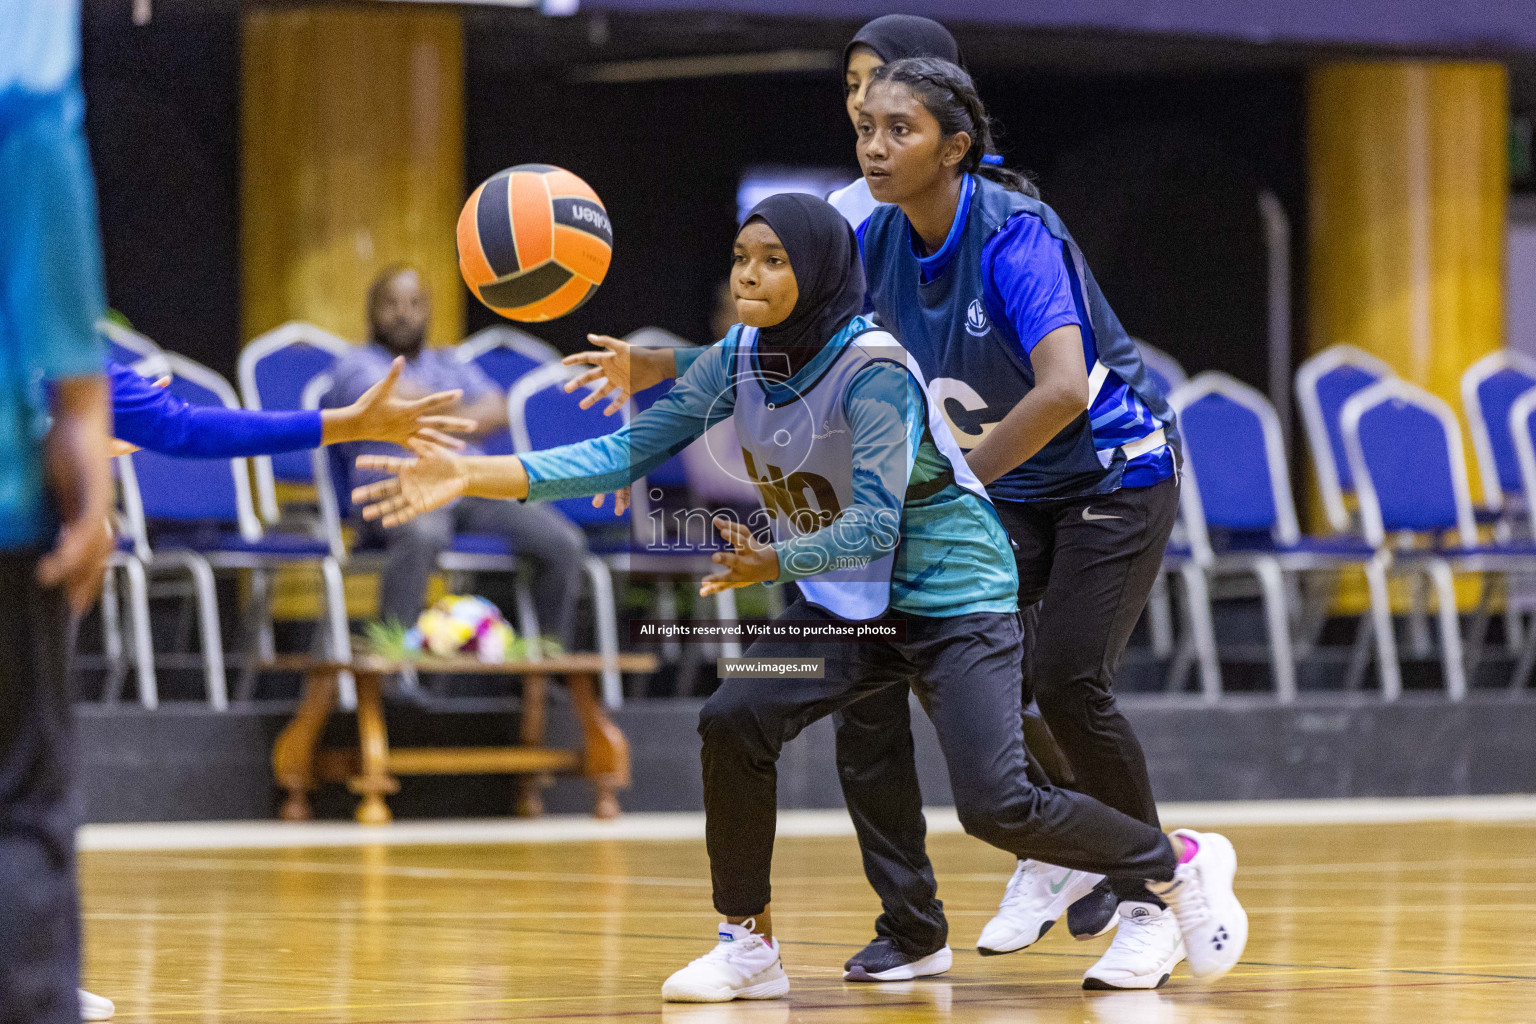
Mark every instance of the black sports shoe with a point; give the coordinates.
(883, 960)
(1093, 914)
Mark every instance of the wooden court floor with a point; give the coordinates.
(1364, 923)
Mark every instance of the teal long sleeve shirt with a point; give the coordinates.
(953, 555)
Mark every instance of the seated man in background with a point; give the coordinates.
(398, 310)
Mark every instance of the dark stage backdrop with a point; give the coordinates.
(1157, 175)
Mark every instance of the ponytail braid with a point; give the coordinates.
(949, 94)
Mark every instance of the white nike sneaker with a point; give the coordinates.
(743, 965)
(1146, 949)
(1214, 924)
(1036, 896)
(94, 1007)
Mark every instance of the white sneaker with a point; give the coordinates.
(1214, 923)
(743, 965)
(1036, 896)
(94, 1007)
(1146, 949)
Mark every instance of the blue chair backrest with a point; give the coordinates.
(1334, 389)
(505, 354)
(1489, 388)
(186, 490)
(544, 416)
(275, 368)
(1408, 445)
(1224, 443)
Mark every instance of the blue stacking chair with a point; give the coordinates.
(504, 354)
(1405, 455)
(274, 370)
(1240, 517)
(1489, 388)
(205, 520)
(134, 350)
(1521, 427)
(1323, 384)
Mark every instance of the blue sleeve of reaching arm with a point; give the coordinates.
(700, 399)
(158, 421)
(886, 413)
(1025, 276)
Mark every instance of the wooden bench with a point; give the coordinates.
(372, 769)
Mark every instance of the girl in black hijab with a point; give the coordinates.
(825, 254)
(878, 519)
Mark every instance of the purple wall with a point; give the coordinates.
(1493, 26)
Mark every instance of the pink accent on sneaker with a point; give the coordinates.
(1190, 849)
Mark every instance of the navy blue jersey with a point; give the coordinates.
(1008, 274)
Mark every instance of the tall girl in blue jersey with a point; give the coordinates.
(874, 513)
(984, 285)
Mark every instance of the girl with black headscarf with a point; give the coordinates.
(874, 737)
(872, 510)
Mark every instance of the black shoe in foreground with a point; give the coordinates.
(1093, 914)
(882, 960)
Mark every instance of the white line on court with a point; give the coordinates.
(686, 826)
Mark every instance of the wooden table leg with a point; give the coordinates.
(605, 758)
(375, 782)
(531, 728)
(293, 755)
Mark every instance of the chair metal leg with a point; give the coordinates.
(666, 609)
(607, 618)
(143, 638)
(205, 596)
(112, 638)
(1514, 625)
(341, 632)
(725, 608)
(1439, 573)
(1197, 599)
(1488, 584)
(1277, 621)
(1388, 668)
(1419, 643)
(1160, 618)
(259, 627)
(1359, 655)
(1526, 662)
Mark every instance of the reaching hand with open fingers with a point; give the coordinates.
(382, 414)
(621, 370)
(431, 480)
(750, 562)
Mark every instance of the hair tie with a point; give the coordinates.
(992, 159)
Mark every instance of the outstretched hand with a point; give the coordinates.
(382, 414)
(749, 562)
(435, 477)
(620, 369)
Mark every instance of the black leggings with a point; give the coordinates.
(1090, 564)
(965, 671)
(39, 915)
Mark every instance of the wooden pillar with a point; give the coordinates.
(1408, 184)
(352, 144)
